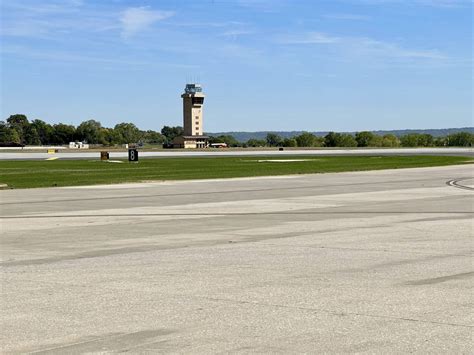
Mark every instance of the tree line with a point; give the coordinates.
(18, 129)
(360, 139)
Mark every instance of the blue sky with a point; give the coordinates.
(316, 65)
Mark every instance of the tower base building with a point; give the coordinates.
(190, 142)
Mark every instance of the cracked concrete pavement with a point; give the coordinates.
(377, 262)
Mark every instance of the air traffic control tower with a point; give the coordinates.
(193, 101)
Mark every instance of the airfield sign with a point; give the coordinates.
(133, 155)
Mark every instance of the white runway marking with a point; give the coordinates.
(282, 160)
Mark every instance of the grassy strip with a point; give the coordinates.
(28, 174)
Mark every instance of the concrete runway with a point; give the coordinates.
(27, 155)
(377, 262)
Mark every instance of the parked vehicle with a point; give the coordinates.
(218, 145)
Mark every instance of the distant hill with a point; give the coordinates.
(245, 136)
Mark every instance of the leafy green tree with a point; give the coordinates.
(409, 140)
(20, 124)
(305, 139)
(88, 131)
(274, 140)
(417, 140)
(364, 138)
(426, 140)
(109, 136)
(333, 139)
(318, 142)
(461, 139)
(153, 137)
(15, 137)
(8, 134)
(63, 133)
(368, 139)
(390, 140)
(256, 143)
(290, 142)
(231, 141)
(347, 140)
(172, 132)
(129, 132)
(214, 139)
(31, 136)
(377, 141)
(440, 141)
(45, 131)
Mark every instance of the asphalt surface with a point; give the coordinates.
(28, 155)
(376, 262)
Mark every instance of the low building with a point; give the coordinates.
(78, 145)
(190, 142)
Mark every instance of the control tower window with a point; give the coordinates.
(198, 100)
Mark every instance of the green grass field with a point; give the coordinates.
(29, 174)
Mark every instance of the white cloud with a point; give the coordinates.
(445, 3)
(434, 3)
(54, 19)
(362, 47)
(264, 5)
(209, 24)
(29, 7)
(75, 58)
(136, 19)
(350, 17)
(236, 33)
(371, 47)
(308, 38)
(243, 53)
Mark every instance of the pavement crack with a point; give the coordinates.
(318, 310)
(437, 280)
(217, 214)
(369, 250)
